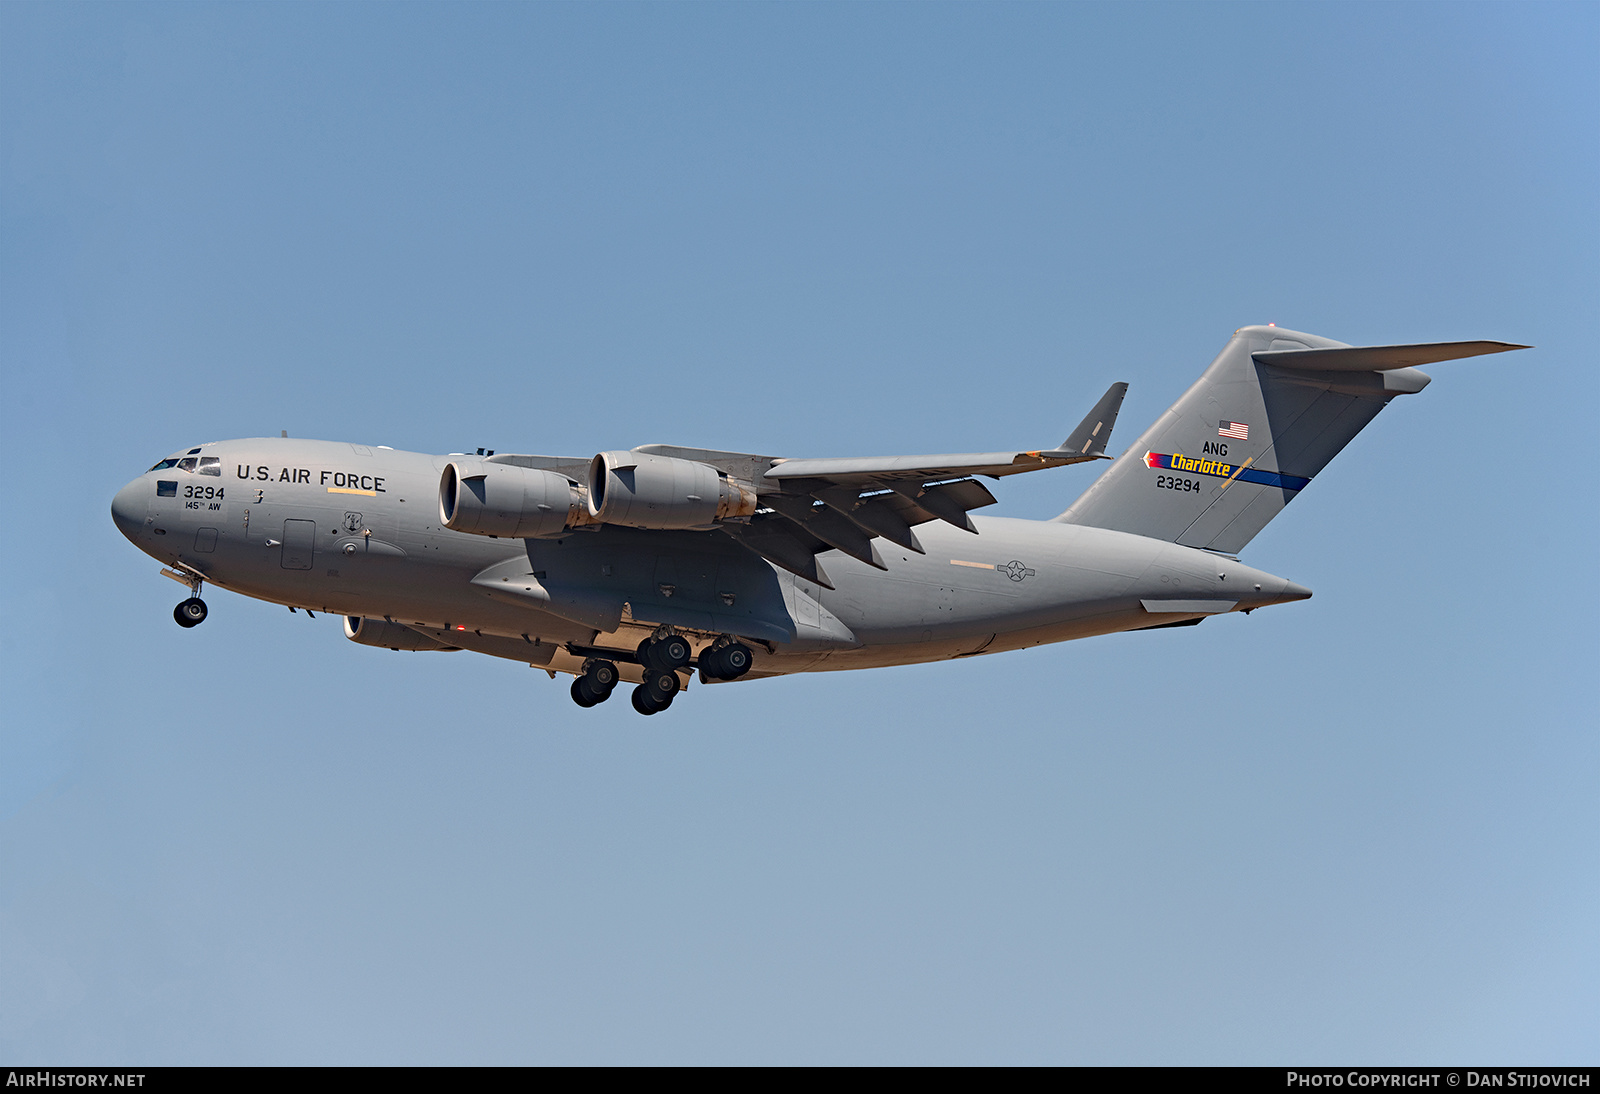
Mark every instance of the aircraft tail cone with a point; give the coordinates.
(1291, 591)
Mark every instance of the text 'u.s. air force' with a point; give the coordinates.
(306, 476)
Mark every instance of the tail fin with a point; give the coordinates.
(1254, 430)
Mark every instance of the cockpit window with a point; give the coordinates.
(163, 465)
(194, 452)
(186, 464)
(210, 465)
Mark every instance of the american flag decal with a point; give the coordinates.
(1237, 430)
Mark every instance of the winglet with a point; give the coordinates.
(1090, 438)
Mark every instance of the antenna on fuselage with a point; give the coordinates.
(283, 432)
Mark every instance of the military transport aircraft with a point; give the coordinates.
(649, 564)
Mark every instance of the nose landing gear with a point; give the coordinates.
(191, 613)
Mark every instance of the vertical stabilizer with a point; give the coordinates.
(1250, 434)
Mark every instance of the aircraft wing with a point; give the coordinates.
(814, 505)
(1087, 442)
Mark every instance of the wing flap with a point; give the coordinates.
(829, 526)
(874, 515)
(784, 544)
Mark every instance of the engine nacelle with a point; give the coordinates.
(390, 636)
(644, 491)
(495, 499)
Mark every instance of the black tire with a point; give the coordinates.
(642, 701)
(581, 694)
(191, 613)
(662, 686)
(672, 652)
(735, 661)
(712, 666)
(601, 678)
(726, 663)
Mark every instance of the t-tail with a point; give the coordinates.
(1253, 431)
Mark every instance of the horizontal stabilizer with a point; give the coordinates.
(1379, 358)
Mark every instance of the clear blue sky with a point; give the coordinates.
(1363, 828)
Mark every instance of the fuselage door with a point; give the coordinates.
(299, 544)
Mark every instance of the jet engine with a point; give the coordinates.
(639, 490)
(390, 636)
(493, 499)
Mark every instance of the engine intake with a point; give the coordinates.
(639, 490)
(493, 499)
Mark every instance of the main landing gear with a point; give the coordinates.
(727, 661)
(655, 694)
(662, 656)
(595, 686)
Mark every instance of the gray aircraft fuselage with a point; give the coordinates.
(650, 563)
(355, 530)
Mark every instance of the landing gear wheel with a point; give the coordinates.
(665, 654)
(191, 613)
(673, 652)
(735, 661)
(662, 686)
(726, 662)
(643, 703)
(581, 694)
(601, 676)
(655, 694)
(595, 684)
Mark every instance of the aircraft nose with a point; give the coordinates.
(129, 507)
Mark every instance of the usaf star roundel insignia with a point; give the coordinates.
(1015, 570)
